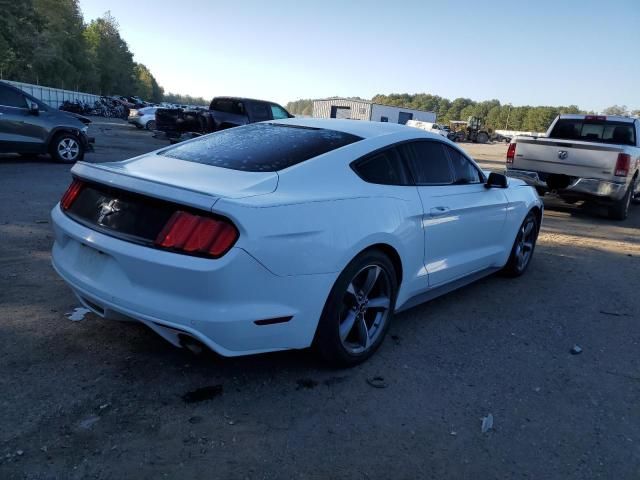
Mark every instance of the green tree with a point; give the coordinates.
(110, 55)
(616, 110)
(61, 54)
(19, 27)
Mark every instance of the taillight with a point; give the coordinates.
(197, 235)
(511, 152)
(623, 165)
(595, 118)
(71, 194)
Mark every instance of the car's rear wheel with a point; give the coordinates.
(66, 148)
(358, 311)
(635, 195)
(620, 209)
(523, 247)
(151, 125)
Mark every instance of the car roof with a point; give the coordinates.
(244, 99)
(611, 118)
(363, 129)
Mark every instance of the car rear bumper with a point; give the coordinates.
(592, 187)
(234, 305)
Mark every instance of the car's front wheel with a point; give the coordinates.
(523, 246)
(66, 148)
(358, 311)
(151, 125)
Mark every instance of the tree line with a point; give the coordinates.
(496, 116)
(47, 42)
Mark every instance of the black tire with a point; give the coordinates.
(516, 266)
(346, 301)
(151, 125)
(138, 126)
(482, 137)
(635, 194)
(66, 148)
(620, 209)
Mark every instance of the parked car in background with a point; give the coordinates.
(583, 157)
(283, 234)
(143, 117)
(429, 127)
(223, 113)
(29, 126)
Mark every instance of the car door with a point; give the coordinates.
(17, 131)
(462, 220)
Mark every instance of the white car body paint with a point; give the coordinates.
(299, 227)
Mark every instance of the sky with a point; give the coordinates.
(562, 52)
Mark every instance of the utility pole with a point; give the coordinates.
(506, 125)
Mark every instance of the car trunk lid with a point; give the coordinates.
(175, 180)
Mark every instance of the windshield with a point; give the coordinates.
(601, 131)
(260, 147)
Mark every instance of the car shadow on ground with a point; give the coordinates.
(27, 158)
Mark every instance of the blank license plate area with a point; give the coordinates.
(90, 261)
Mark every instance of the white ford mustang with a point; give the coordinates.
(288, 234)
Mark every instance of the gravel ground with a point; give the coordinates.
(101, 399)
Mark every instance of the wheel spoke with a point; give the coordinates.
(370, 281)
(347, 324)
(351, 290)
(379, 302)
(363, 332)
(527, 229)
(527, 246)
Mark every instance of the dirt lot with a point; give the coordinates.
(100, 399)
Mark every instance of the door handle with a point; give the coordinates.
(439, 211)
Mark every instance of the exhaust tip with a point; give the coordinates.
(193, 345)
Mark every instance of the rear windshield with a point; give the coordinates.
(261, 147)
(602, 131)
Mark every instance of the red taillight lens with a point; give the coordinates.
(511, 152)
(623, 165)
(195, 234)
(71, 194)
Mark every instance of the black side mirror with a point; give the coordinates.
(496, 180)
(34, 109)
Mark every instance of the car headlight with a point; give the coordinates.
(84, 129)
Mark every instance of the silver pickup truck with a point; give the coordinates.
(583, 157)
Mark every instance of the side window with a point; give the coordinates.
(238, 108)
(278, 112)
(384, 119)
(260, 111)
(464, 171)
(428, 163)
(385, 168)
(11, 98)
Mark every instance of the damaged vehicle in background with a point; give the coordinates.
(178, 124)
(29, 126)
(143, 118)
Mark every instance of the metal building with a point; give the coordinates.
(355, 109)
(55, 97)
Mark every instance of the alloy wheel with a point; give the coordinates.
(365, 309)
(68, 149)
(525, 243)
